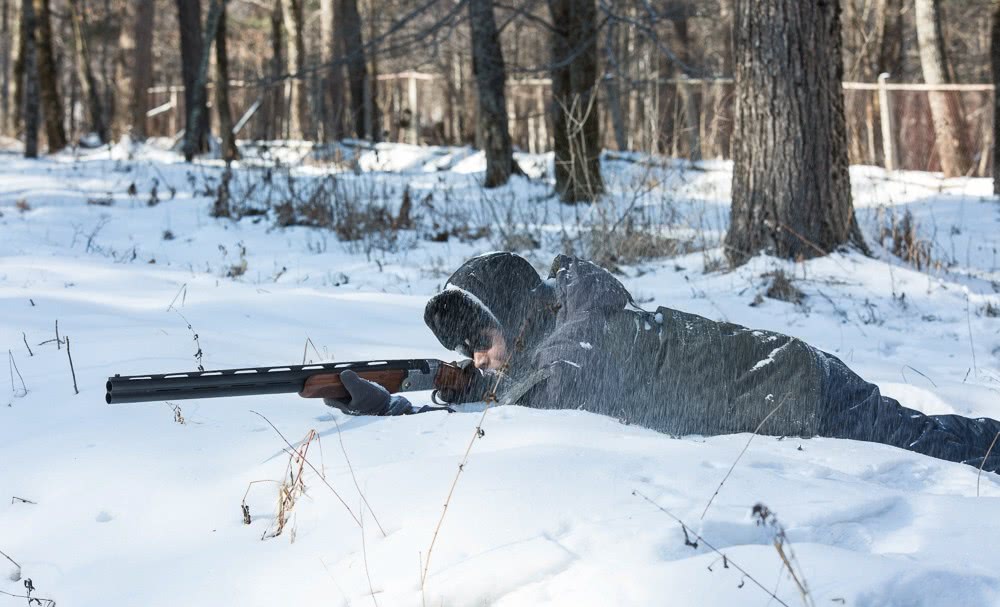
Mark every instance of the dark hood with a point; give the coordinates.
(498, 290)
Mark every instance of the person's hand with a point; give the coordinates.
(367, 398)
(478, 384)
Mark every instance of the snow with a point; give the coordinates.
(130, 507)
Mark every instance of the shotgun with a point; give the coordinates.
(321, 380)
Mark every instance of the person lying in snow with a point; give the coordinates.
(578, 341)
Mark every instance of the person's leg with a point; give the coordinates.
(855, 409)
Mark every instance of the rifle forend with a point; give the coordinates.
(309, 381)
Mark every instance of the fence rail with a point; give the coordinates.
(888, 122)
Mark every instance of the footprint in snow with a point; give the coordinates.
(104, 517)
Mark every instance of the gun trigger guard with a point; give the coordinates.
(434, 399)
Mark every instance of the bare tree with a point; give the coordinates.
(142, 65)
(6, 36)
(349, 28)
(198, 108)
(91, 89)
(298, 99)
(48, 77)
(491, 78)
(333, 79)
(791, 188)
(946, 112)
(576, 125)
(189, 16)
(226, 136)
(26, 80)
(995, 67)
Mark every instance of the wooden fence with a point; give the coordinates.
(888, 123)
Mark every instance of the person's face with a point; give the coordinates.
(491, 350)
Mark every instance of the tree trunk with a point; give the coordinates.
(5, 49)
(27, 82)
(791, 188)
(333, 79)
(228, 139)
(491, 76)
(687, 97)
(298, 102)
(576, 124)
(48, 77)
(189, 16)
(275, 95)
(197, 112)
(946, 111)
(349, 26)
(86, 72)
(142, 67)
(995, 68)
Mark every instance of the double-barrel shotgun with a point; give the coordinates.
(320, 380)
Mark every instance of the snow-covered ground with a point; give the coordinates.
(124, 505)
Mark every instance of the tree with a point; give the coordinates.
(228, 139)
(298, 100)
(946, 113)
(48, 77)
(791, 188)
(142, 66)
(576, 124)
(86, 72)
(491, 76)
(332, 93)
(189, 17)
(5, 43)
(26, 79)
(363, 108)
(995, 68)
(198, 110)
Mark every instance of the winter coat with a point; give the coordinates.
(584, 344)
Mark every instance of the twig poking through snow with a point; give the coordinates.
(740, 456)
(710, 546)
(13, 369)
(985, 457)
(355, 478)
(16, 574)
(968, 321)
(25, 338)
(71, 369)
(183, 290)
(308, 463)
(364, 554)
(766, 518)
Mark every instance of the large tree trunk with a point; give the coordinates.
(197, 112)
(488, 68)
(576, 124)
(228, 139)
(946, 111)
(48, 77)
(91, 89)
(298, 102)
(349, 26)
(995, 67)
(189, 16)
(27, 80)
(791, 188)
(142, 66)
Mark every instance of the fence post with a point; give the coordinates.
(885, 115)
(411, 99)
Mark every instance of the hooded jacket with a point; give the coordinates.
(584, 344)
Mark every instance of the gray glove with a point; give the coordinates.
(367, 398)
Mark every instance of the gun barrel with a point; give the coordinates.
(238, 382)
